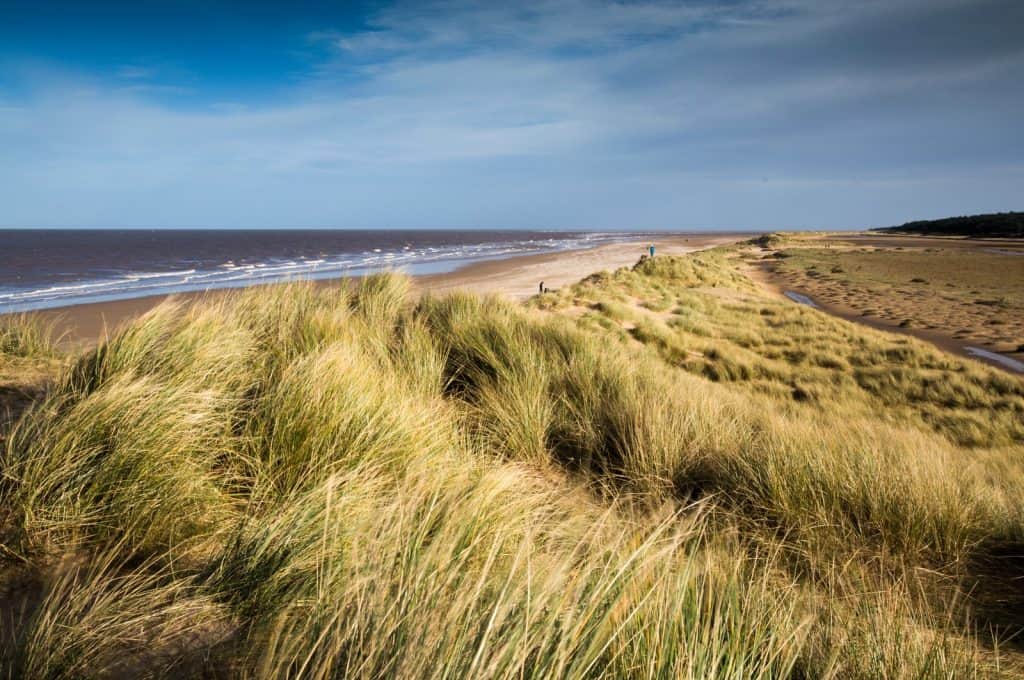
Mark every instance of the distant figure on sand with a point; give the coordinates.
(540, 288)
(651, 249)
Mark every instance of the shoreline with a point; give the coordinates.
(517, 277)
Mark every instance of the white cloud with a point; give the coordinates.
(562, 112)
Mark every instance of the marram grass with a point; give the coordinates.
(300, 481)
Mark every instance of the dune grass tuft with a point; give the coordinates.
(655, 473)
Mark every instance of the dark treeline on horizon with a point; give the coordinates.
(1007, 224)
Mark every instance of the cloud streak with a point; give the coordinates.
(561, 113)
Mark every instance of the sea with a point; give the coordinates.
(45, 268)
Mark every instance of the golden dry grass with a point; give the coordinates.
(702, 316)
(659, 472)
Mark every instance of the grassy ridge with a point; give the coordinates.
(293, 481)
(702, 316)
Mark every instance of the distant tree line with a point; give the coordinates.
(1007, 225)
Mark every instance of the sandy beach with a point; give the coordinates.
(515, 277)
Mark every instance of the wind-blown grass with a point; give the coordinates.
(24, 336)
(332, 482)
(723, 329)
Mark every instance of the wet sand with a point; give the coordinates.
(515, 277)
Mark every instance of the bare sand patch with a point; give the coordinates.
(953, 292)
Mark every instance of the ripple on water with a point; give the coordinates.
(800, 298)
(1001, 359)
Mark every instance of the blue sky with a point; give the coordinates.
(756, 114)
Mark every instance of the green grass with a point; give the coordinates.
(617, 480)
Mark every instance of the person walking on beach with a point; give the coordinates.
(651, 249)
(540, 288)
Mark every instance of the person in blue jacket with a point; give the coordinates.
(651, 249)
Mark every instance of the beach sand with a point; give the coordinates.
(515, 277)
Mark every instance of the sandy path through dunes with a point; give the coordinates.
(519, 278)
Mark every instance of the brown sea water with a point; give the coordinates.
(56, 267)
